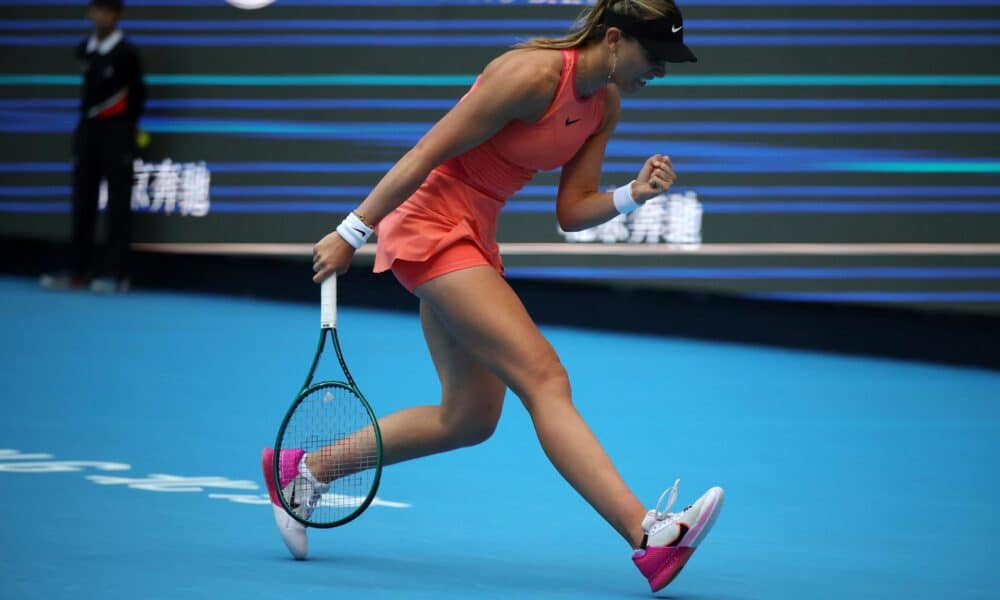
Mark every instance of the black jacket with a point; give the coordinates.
(112, 79)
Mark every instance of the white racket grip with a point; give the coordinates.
(328, 302)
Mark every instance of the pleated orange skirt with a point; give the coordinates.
(444, 227)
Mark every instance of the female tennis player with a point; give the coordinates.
(548, 103)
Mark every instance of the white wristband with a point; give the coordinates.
(354, 231)
(623, 199)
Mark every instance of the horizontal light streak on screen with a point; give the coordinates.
(739, 273)
(958, 297)
(224, 167)
(34, 208)
(500, 41)
(442, 104)
(875, 207)
(556, 26)
(777, 166)
(785, 127)
(768, 165)
(290, 205)
(810, 103)
(932, 166)
(594, 249)
(430, 80)
(265, 80)
(709, 207)
(571, 4)
(36, 167)
(850, 193)
(16, 121)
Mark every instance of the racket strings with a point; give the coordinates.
(333, 425)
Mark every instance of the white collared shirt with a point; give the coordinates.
(103, 47)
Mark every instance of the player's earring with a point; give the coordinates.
(614, 63)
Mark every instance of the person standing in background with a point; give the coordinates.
(104, 145)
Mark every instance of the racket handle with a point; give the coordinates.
(328, 302)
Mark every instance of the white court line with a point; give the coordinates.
(563, 249)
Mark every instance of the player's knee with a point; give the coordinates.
(549, 383)
(476, 432)
(472, 427)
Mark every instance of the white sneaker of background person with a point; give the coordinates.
(302, 491)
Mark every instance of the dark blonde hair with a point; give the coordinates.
(589, 26)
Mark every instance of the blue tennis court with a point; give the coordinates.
(131, 428)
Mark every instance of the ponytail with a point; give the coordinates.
(589, 25)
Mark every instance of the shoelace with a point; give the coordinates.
(317, 494)
(655, 515)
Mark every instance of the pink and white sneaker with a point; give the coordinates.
(671, 538)
(295, 484)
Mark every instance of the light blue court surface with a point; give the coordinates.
(138, 421)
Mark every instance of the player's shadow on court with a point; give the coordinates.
(484, 573)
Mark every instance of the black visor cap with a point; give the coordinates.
(663, 38)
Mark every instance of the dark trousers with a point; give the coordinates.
(102, 149)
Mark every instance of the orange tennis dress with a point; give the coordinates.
(450, 222)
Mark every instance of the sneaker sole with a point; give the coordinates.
(293, 534)
(707, 518)
(676, 559)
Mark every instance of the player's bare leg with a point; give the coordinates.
(471, 402)
(482, 312)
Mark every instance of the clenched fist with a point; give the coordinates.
(655, 177)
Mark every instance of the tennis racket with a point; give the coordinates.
(334, 424)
